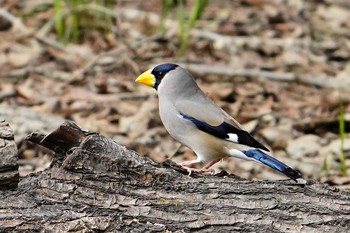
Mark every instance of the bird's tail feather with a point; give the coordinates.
(273, 163)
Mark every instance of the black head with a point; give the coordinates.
(160, 71)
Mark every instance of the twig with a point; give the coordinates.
(81, 94)
(255, 41)
(319, 81)
(203, 69)
(7, 94)
(17, 23)
(50, 42)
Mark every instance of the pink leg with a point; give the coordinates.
(186, 163)
(203, 169)
(209, 165)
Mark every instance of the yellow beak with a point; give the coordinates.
(146, 78)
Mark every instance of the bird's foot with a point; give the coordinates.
(190, 169)
(206, 168)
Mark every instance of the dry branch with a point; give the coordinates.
(204, 69)
(94, 184)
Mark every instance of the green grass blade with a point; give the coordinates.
(58, 18)
(71, 16)
(197, 11)
(341, 120)
(75, 21)
(183, 28)
(325, 166)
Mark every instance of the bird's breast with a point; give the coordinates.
(177, 127)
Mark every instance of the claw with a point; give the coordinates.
(205, 168)
(190, 170)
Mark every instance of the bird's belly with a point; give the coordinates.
(206, 147)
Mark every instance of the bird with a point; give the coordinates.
(195, 121)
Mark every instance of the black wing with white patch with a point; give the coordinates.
(226, 131)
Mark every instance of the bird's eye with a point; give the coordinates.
(160, 74)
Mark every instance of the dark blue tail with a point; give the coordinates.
(273, 163)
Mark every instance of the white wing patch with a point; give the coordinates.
(179, 116)
(239, 154)
(232, 137)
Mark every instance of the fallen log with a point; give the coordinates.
(94, 184)
(9, 176)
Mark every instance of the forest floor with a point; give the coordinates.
(279, 67)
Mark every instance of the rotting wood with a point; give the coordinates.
(94, 184)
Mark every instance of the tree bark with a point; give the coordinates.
(9, 176)
(94, 184)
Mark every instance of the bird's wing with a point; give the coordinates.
(210, 118)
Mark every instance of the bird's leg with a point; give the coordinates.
(209, 165)
(203, 169)
(186, 164)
